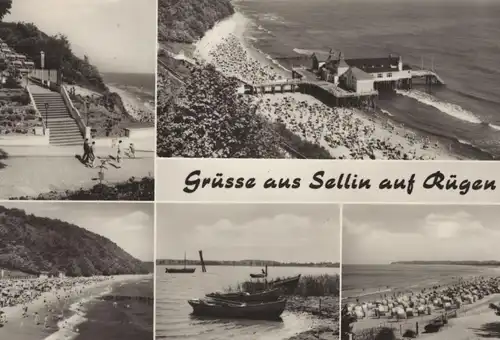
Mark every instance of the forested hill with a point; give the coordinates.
(34, 244)
(185, 21)
(27, 39)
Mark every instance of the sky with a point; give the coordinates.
(129, 225)
(380, 234)
(117, 35)
(276, 232)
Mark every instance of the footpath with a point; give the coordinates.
(32, 170)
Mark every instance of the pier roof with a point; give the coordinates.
(360, 74)
(375, 65)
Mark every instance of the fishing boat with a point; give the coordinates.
(260, 275)
(264, 296)
(229, 309)
(257, 276)
(184, 270)
(288, 285)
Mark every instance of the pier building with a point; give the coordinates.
(389, 72)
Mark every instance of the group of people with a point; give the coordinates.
(25, 292)
(89, 155)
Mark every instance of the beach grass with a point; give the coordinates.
(309, 285)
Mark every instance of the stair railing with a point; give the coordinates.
(38, 114)
(74, 113)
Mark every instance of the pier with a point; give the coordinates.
(430, 77)
(304, 81)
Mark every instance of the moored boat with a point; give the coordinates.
(227, 309)
(264, 296)
(257, 276)
(288, 285)
(180, 270)
(184, 270)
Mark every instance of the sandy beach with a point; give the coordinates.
(139, 110)
(346, 133)
(465, 305)
(58, 302)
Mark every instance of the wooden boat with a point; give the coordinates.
(264, 296)
(180, 270)
(288, 285)
(227, 309)
(257, 276)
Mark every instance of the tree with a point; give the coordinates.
(5, 6)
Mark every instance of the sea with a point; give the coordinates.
(371, 282)
(173, 319)
(89, 318)
(459, 38)
(138, 87)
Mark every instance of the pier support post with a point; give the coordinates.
(203, 269)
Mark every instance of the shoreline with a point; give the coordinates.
(249, 64)
(226, 47)
(326, 316)
(404, 310)
(64, 308)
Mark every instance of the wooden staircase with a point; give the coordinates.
(63, 128)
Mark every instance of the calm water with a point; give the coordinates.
(460, 36)
(107, 322)
(372, 280)
(173, 320)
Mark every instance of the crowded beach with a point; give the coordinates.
(346, 133)
(416, 310)
(20, 296)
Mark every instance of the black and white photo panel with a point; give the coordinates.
(247, 271)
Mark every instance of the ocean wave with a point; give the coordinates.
(387, 112)
(310, 52)
(68, 328)
(464, 142)
(450, 109)
(263, 29)
(272, 18)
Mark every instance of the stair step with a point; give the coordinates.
(61, 122)
(65, 130)
(65, 138)
(67, 143)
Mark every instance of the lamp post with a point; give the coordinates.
(42, 63)
(47, 114)
(87, 113)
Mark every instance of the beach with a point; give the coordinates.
(140, 109)
(346, 133)
(464, 305)
(60, 304)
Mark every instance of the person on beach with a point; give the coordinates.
(119, 152)
(37, 318)
(46, 321)
(86, 149)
